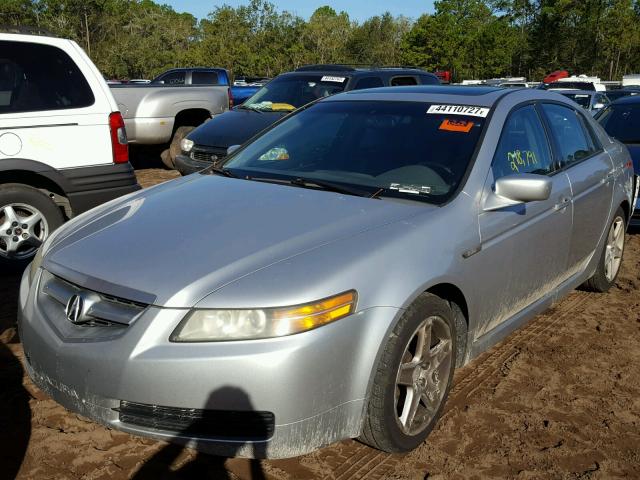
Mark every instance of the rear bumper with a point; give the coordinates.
(187, 165)
(89, 187)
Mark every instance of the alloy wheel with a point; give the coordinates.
(421, 381)
(614, 248)
(23, 228)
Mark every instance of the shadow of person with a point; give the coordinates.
(223, 417)
(15, 414)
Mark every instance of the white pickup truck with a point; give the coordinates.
(165, 111)
(63, 146)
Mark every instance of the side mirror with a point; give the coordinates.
(520, 188)
(232, 149)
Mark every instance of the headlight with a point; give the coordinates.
(222, 325)
(186, 145)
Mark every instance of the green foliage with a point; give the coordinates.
(472, 38)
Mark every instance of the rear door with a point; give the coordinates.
(590, 171)
(52, 110)
(524, 247)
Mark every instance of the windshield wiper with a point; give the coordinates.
(222, 171)
(313, 183)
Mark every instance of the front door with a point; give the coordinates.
(525, 246)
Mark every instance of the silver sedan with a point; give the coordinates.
(326, 280)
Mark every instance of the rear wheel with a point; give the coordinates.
(611, 256)
(413, 379)
(27, 217)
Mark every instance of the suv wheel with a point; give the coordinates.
(413, 378)
(27, 217)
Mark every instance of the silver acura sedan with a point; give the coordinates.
(325, 281)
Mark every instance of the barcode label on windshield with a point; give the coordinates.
(328, 78)
(468, 110)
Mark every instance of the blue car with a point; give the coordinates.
(621, 120)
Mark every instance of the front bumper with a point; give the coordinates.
(314, 383)
(187, 165)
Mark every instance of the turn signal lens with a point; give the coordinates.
(224, 325)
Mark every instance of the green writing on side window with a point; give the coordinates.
(520, 159)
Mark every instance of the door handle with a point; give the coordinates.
(563, 203)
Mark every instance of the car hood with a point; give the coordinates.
(174, 245)
(233, 127)
(634, 150)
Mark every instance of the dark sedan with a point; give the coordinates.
(621, 120)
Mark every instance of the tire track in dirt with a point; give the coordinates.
(363, 462)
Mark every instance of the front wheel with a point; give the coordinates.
(611, 256)
(27, 217)
(413, 378)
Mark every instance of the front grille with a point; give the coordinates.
(208, 154)
(193, 422)
(101, 310)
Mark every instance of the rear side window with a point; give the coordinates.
(204, 78)
(36, 77)
(570, 136)
(403, 81)
(173, 78)
(368, 82)
(523, 146)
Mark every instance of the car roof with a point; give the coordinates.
(574, 92)
(628, 100)
(357, 72)
(483, 96)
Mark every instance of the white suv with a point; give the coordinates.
(63, 146)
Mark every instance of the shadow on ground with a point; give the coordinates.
(15, 412)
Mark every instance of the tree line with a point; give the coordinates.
(470, 38)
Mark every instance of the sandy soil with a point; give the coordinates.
(557, 399)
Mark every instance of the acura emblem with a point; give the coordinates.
(74, 309)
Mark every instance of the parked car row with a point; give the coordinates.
(324, 279)
(210, 142)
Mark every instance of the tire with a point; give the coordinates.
(611, 256)
(19, 205)
(169, 156)
(386, 426)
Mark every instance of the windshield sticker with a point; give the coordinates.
(468, 110)
(414, 189)
(456, 126)
(520, 159)
(276, 153)
(328, 78)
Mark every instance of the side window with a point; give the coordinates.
(368, 82)
(204, 78)
(173, 78)
(523, 146)
(571, 138)
(35, 77)
(403, 81)
(429, 80)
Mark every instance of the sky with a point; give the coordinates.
(357, 9)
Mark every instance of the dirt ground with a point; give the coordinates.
(560, 398)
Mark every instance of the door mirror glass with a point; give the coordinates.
(232, 149)
(520, 188)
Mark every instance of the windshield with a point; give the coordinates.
(395, 149)
(289, 92)
(581, 99)
(622, 122)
